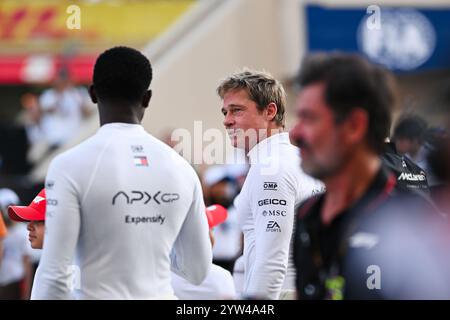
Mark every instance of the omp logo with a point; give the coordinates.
(38, 199)
(270, 186)
(273, 226)
(411, 177)
(274, 213)
(267, 202)
(145, 197)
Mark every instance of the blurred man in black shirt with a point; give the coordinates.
(362, 239)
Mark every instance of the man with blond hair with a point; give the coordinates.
(253, 108)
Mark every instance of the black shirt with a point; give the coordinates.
(343, 260)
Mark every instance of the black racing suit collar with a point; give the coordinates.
(381, 186)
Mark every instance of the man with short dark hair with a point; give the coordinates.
(409, 135)
(118, 203)
(350, 241)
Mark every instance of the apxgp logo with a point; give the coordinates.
(144, 197)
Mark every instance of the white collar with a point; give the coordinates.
(121, 126)
(267, 146)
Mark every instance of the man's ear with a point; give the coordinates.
(357, 125)
(271, 111)
(92, 94)
(146, 98)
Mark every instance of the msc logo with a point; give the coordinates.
(266, 202)
(273, 226)
(139, 196)
(270, 186)
(274, 213)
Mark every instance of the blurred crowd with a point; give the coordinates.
(46, 121)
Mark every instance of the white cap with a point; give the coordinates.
(215, 174)
(8, 197)
(237, 170)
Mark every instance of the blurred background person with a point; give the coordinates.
(218, 284)
(409, 136)
(15, 269)
(3, 233)
(439, 164)
(362, 232)
(62, 108)
(31, 117)
(413, 139)
(221, 187)
(433, 139)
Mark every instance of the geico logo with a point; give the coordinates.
(145, 197)
(266, 202)
(411, 177)
(274, 213)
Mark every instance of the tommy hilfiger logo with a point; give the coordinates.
(140, 161)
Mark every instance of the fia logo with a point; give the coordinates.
(402, 39)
